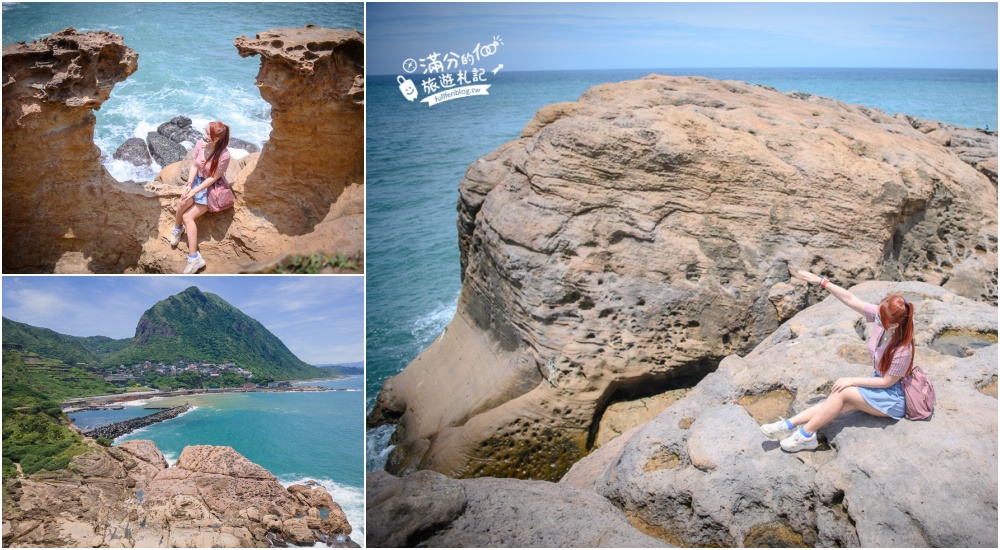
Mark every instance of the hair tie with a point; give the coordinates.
(905, 302)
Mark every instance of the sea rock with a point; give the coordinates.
(164, 150)
(76, 217)
(650, 229)
(179, 129)
(428, 509)
(237, 143)
(316, 148)
(702, 474)
(126, 496)
(79, 219)
(134, 151)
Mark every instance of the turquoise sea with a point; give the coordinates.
(416, 156)
(295, 435)
(187, 62)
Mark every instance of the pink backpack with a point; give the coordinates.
(919, 394)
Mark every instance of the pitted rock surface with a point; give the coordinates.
(702, 474)
(649, 229)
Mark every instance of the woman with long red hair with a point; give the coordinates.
(211, 158)
(891, 349)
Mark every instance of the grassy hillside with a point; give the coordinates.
(35, 435)
(103, 347)
(47, 343)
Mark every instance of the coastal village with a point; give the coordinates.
(125, 374)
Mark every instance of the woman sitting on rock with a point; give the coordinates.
(211, 158)
(891, 348)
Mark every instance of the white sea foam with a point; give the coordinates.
(350, 499)
(377, 447)
(429, 326)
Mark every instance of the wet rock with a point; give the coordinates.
(134, 151)
(164, 150)
(179, 129)
(236, 143)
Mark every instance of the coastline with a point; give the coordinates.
(99, 401)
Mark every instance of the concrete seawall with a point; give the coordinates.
(119, 429)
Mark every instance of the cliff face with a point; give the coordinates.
(637, 236)
(62, 210)
(64, 213)
(127, 496)
(702, 474)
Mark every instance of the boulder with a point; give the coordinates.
(164, 150)
(134, 151)
(702, 474)
(636, 237)
(430, 510)
(179, 129)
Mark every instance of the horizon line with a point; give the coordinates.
(732, 68)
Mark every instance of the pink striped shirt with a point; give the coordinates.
(199, 161)
(900, 359)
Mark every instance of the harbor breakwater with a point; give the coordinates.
(118, 429)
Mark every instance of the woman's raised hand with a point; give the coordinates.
(809, 277)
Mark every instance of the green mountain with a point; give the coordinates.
(199, 326)
(102, 346)
(47, 343)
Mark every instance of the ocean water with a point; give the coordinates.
(416, 156)
(187, 62)
(297, 436)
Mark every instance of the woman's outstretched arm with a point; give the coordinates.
(842, 294)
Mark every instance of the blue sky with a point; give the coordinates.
(319, 318)
(558, 36)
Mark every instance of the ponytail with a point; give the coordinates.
(896, 310)
(216, 130)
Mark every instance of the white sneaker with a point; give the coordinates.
(194, 264)
(776, 430)
(798, 442)
(175, 235)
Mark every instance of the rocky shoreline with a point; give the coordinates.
(118, 429)
(127, 496)
(628, 318)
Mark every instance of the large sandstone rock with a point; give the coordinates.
(78, 219)
(127, 496)
(71, 216)
(316, 147)
(430, 510)
(702, 474)
(646, 231)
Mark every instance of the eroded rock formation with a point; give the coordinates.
(316, 147)
(646, 231)
(431, 510)
(62, 210)
(702, 474)
(126, 496)
(298, 196)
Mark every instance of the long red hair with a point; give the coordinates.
(895, 310)
(216, 130)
